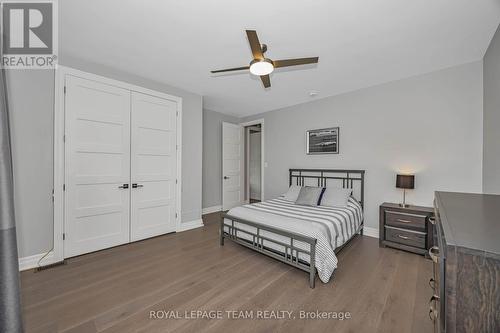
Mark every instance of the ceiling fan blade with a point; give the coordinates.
(295, 62)
(255, 44)
(230, 69)
(266, 81)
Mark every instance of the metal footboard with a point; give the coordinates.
(290, 255)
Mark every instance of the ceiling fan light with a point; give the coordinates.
(261, 67)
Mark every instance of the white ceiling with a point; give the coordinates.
(360, 43)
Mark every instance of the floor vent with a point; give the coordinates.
(42, 268)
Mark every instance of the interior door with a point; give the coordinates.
(232, 165)
(97, 166)
(153, 166)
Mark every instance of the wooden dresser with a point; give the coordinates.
(406, 228)
(466, 263)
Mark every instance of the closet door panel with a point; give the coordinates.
(97, 163)
(153, 166)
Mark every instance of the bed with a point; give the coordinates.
(305, 237)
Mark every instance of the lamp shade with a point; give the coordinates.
(405, 181)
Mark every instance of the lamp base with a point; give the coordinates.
(404, 204)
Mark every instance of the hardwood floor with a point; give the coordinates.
(384, 290)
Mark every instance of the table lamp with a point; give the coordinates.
(405, 182)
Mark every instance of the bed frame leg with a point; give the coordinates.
(361, 231)
(221, 232)
(312, 277)
(312, 264)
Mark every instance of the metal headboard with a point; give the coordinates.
(348, 178)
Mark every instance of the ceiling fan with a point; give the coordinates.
(262, 66)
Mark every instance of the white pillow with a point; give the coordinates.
(293, 193)
(309, 196)
(336, 197)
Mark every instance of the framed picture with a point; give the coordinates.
(322, 141)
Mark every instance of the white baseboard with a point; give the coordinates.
(370, 232)
(190, 225)
(212, 209)
(30, 262)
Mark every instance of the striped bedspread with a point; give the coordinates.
(330, 226)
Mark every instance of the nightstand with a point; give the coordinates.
(406, 228)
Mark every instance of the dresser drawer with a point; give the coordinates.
(405, 220)
(405, 237)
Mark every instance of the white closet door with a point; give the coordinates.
(97, 165)
(153, 166)
(232, 165)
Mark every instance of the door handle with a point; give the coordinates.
(433, 298)
(432, 313)
(432, 283)
(124, 186)
(226, 177)
(137, 185)
(434, 253)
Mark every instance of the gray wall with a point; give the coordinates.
(212, 156)
(32, 133)
(491, 149)
(430, 125)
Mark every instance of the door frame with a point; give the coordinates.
(262, 159)
(59, 132)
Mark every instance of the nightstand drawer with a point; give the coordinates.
(405, 220)
(405, 237)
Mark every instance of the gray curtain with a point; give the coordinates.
(10, 305)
